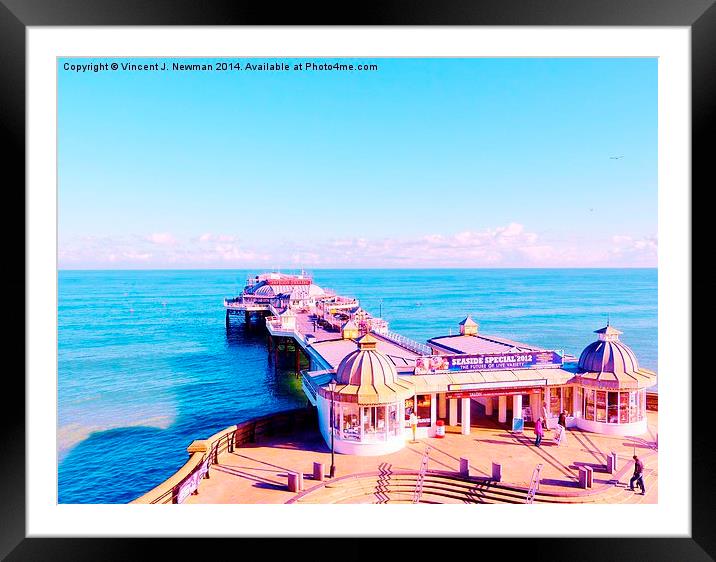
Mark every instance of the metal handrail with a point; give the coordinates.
(534, 484)
(421, 477)
(407, 343)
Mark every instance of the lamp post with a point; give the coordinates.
(332, 388)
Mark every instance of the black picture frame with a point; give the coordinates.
(17, 15)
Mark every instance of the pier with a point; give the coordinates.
(387, 382)
(382, 401)
(299, 316)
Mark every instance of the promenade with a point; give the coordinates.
(258, 473)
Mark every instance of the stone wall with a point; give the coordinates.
(256, 430)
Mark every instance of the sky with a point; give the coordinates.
(420, 163)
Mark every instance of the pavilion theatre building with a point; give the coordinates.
(372, 386)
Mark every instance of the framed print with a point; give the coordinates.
(278, 267)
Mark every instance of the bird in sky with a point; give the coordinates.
(615, 157)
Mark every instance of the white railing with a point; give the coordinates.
(239, 303)
(308, 384)
(407, 343)
(534, 484)
(421, 477)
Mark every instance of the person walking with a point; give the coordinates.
(638, 475)
(545, 415)
(561, 429)
(539, 432)
(414, 425)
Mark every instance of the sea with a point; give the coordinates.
(146, 364)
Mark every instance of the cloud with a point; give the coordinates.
(492, 246)
(209, 237)
(510, 245)
(158, 250)
(162, 238)
(640, 251)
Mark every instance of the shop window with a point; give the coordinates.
(409, 409)
(623, 407)
(567, 400)
(633, 407)
(393, 425)
(423, 410)
(612, 407)
(380, 420)
(526, 409)
(351, 422)
(580, 401)
(369, 422)
(373, 423)
(601, 406)
(589, 408)
(337, 419)
(554, 401)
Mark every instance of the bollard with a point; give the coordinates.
(293, 484)
(582, 477)
(590, 476)
(464, 467)
(611, 463)
(496, 472)
(300, 481)
(318, 471)
(616, 461)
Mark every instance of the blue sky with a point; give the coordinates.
(422, 163)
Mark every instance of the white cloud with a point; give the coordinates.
(158, 250)
(209, 237)
(162, 238)
(511, 245)
(639, 251)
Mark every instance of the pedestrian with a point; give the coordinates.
(545, 415)
(562, 420)
(539, 432)
(414, 424)
(638, 475)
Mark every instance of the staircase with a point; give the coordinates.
(440, 488)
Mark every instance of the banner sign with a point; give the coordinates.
(518, 425)
(492, 392)
(191, 484)
(432, 364)
(187, 488)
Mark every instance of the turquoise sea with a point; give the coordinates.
(145, 364)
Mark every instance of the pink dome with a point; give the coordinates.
(608, 357)
(608, 363)
(370, 375)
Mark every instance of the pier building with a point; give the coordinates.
(376, 381)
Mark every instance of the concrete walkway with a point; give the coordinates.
(258, 473)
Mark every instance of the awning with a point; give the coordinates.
(370, 395)
(519, 378)
(641, 378)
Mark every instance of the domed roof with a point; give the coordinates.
(315, 291)
(611, 363)
(263, 289)
(370, 376)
